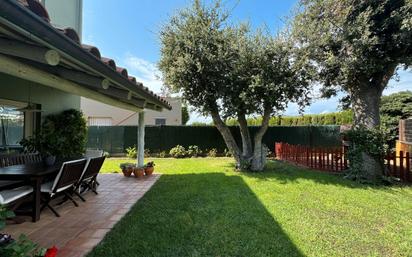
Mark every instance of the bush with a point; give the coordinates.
(193, 151)
(212, 152)
(62, 135)
(178, 152)
(227, 153)
(162, 154)
(131, 152)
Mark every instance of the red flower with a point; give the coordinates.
(51, 252)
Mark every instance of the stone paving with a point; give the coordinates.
(80, 229)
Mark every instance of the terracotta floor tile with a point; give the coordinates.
(80, 229)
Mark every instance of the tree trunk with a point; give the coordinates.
(246, 139)
(365, 105)
(227, 137)
(259, 154)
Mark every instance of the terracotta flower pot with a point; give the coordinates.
(149, 171)
(138, 172)
(127, 171)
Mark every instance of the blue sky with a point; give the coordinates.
(127, 31)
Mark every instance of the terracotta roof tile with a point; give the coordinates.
(122, 71)
(37, 8)
(109, 62)
(93, 50)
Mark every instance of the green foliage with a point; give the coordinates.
(355, 44)
(193, 151)
(200, 124)
(23, 247)
(227, 153)
(131, 152)
(212, 152)
(364, 141)
(395, 107)
(178, 152)
(4, 214)
(185, 114)
(335, 118)
(63, 135)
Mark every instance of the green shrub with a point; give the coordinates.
(63, 135)
(193, 151)
(178, 152)
(162, 154)
(227, 153)
(212, 152)
(131, 152)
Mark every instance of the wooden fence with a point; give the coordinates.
(333, 159)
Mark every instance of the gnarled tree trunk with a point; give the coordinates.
(247, 150)
(249, 157)
(365, 104)
(227, 136)
(259, 153)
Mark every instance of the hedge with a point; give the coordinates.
(336, 118)
(162, 138)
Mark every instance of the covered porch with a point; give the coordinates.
(44, 70)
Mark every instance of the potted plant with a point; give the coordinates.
(149, 168)
(138, 172)
(127, 169)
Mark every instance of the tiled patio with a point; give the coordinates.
(79, 229)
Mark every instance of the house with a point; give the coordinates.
(69, 14)
(99, 114)
(45, 69)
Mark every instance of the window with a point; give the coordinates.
(99, 121)
(11, 126)
(160, 121)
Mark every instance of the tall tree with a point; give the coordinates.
(357, 47)
(228, 72)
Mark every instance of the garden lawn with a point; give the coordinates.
(201, 207)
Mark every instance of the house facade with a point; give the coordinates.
(69, 14)
(45, 69)
(99, 114)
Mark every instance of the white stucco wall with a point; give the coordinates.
(121, 117)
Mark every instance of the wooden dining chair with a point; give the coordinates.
(88, 179)
(64, 183)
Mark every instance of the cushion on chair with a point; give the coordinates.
(93, 153)
(8, 196)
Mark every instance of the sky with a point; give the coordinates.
(128, 32)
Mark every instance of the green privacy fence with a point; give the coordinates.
(162, 138)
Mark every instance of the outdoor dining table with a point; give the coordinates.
(33, 174)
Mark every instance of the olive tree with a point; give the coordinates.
(227, 71)
(357, 47)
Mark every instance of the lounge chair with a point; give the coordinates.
(89, 176)
(64, 183)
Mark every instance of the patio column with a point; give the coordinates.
(140, 140)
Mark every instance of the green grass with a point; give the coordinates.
(201, 207)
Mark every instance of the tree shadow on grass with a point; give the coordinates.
(208, 214)
(285, 172)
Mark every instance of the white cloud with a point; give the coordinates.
(145, 72)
